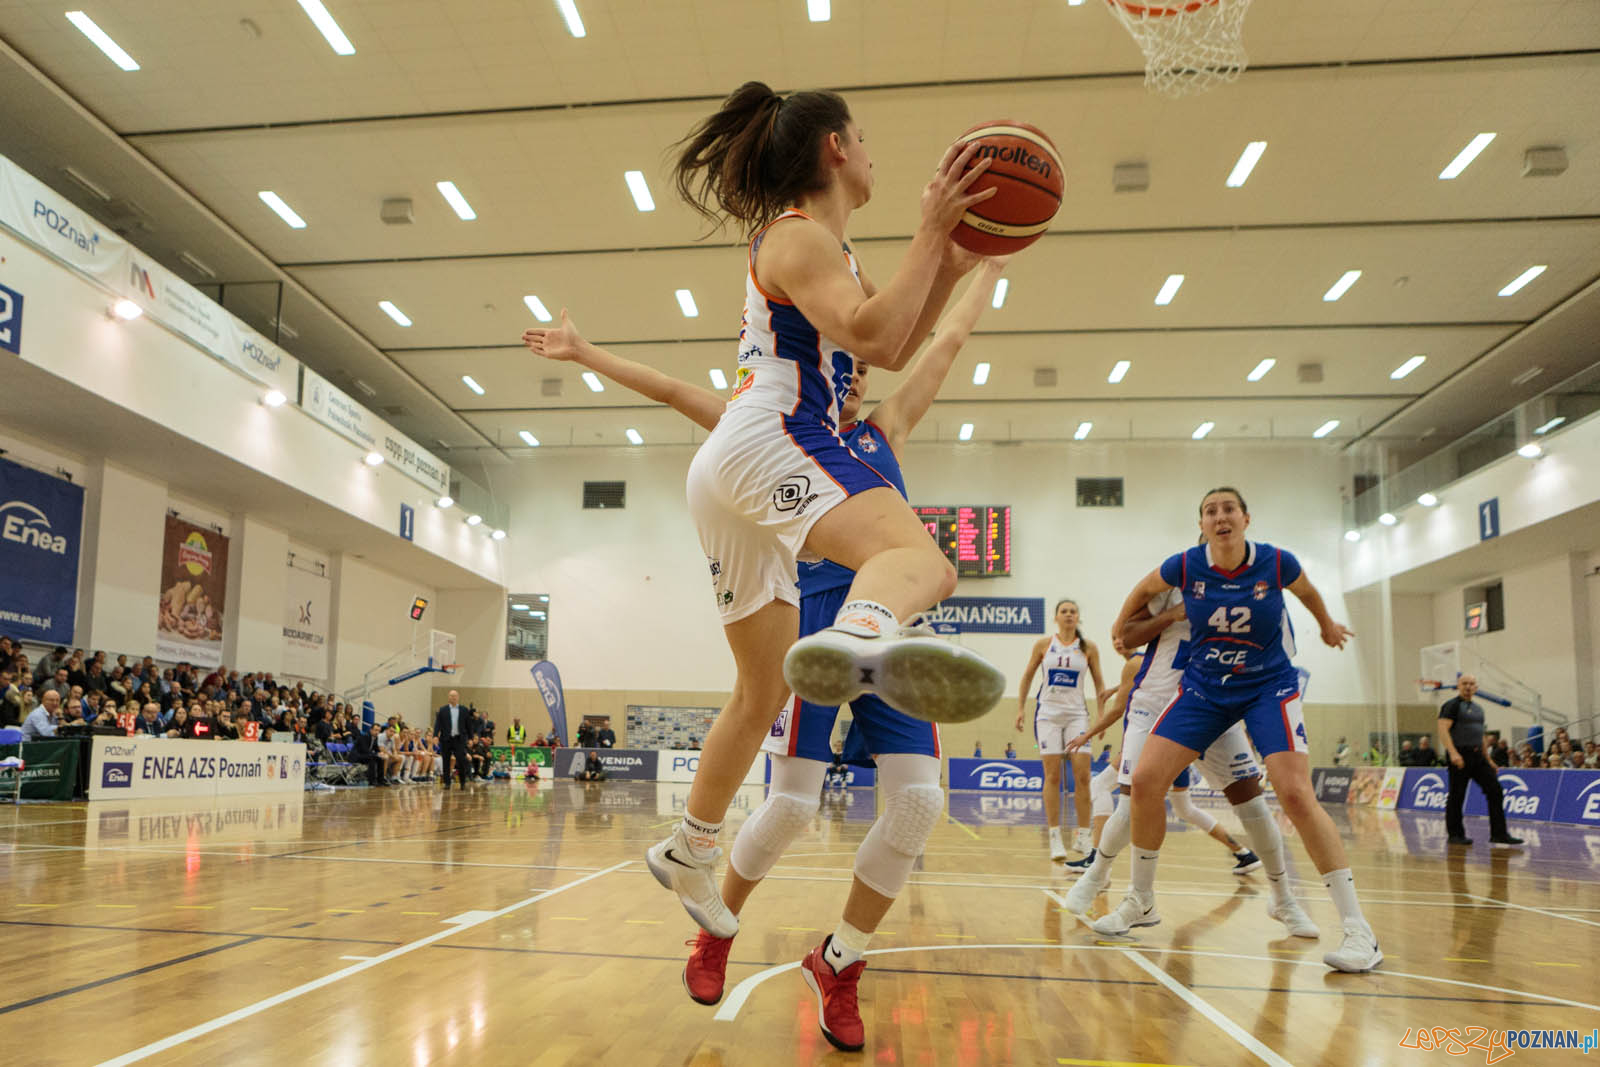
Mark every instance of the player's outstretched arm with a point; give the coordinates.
(900, 412)
(1149, 587)
(566, 344)
(1111, 711)
(1334, 634)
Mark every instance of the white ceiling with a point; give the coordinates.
(1362, 103)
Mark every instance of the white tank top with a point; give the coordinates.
(1065, 668)
(1157, 682)
(785, 364)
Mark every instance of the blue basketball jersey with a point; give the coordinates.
(1239, 625)
(872, 448)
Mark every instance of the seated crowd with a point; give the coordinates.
(1561, 753)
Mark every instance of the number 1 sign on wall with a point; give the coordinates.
(1489, 519)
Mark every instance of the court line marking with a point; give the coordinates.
(1536, 911)
(355, 957)
(97, 983)
(1204, 1007)
(964, 827)
(273, 1001)
(734, 1001)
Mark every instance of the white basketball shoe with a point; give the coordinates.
(695, 882)
(1133, 911)
(924, 676)
(1358, 952)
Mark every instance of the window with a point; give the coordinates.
(605, 494)
(1099, 492)
(527, 626)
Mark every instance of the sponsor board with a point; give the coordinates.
(988, 615)
(124, 768)
(621, 764)
(307, 606)
(1005, 775)
(1579, 798)
(680, 765)
(1332, 783)
(1529, 794)
(41, 522)
(194, 593)
(1389, 791)
(1365, 786)
(672, 798)
(1425, 789)
(335, 409)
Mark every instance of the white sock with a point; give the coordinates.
(1118, 831)
(701, 835)
(846, 946)
(1267, 841)
(1143, 879)
(865, 618)
(1099, 868)
(1342, 888)
(1055, 833)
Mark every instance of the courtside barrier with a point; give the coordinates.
(1542, 795)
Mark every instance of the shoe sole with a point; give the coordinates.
(1249, 868)
(811, 980)
(697, 913)
(1505, 844)
(1310, 934)
(1131, 926)
(926, 678)
(697, 1000)
(1377, 959)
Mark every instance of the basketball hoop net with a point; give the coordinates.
(1188, 48)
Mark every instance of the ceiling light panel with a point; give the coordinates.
(980, 374)
(1203, 429)
(102, 40)
(1522, 279)
(394, 313)
(719, 380)
(1001, 288)
(687, 304)
(1342, 286)
(536, 306)
(1247, 163)
(1407, 367)
(641, 192)
(1465, 157)
(1169, 289)
(569, 14)
(1261, 370)
(1120, 371)
(281, 209)
(457, 202)
(328, 27)
(472, 383)
(592, 380)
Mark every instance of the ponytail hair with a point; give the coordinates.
(758, 154)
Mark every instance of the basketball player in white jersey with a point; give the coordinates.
(1060, 714)
(1227, 765)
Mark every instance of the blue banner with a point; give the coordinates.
(1579, 798)
(11, 320)
(989, 615)
(41, 525)
(626, 764)
(1529, 794)
(1428, 789)
(548, 679)
(1004, 775)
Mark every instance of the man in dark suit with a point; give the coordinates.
(451, 726)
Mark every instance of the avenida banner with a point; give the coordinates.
(41, 526)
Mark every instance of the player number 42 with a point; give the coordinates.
(1240, 623)
(1454, 1042)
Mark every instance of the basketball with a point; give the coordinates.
(1026, 171)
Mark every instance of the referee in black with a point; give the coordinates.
(1461, 737)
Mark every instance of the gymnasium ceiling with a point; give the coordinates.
(1362, 103)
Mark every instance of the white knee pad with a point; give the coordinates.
(1184, 808)
(913, 804)
(1101, 789)
(788, 809)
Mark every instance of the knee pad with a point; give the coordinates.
(1184, 808)
(766, 834)
(885, 858)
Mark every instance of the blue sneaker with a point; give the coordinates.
(1247, 861)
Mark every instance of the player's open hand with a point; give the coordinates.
(1335, 634)
(945, 199)
(1077, 743)
(1020, 716)
(562, 342)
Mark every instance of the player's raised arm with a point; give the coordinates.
(1334, 634)
(566, 344)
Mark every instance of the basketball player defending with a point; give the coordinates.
(906, 750)
(1240, 669)
(1060, 713)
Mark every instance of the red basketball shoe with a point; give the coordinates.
(838, 1012)
(703, 975)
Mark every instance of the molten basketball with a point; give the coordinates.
(1025, 169)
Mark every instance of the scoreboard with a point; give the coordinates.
(976, 539)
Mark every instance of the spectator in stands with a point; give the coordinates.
(1591, 755)
(48, 666)
(1011, 750)
(94, 679)
(178, 721)
(1406, 753)
(977, 750)
(200, 725)
(1374, 756)
(149, 722)
(1498, 750)
(606, 737)
(593, 769)
(105, 717)
(1341, 752)
(57, 683)
(1426, 755)
(43, 720)
(226, 730)
(478, 753)
(364, 750)
(11, 698)
(516, 733)
(586, 734)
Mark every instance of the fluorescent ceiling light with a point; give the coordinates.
(1082, 431)
(537, 614)
(569, 11)
(1523, 279)
(445, 501)
(1261, 370)
(1428, 500)
(633, 436)
(521, 607)
(1466, 156)
(453, 197)
(592, 380)
(394, 313)
(330, 29)
(1407, 367)
(473, 520)
(536, 306)
(980, 374)
(284, 211)
(1388, 518)
(472, 383)
(819, 10)
(1001, 287)
(274, 398)
(965, 432)
(543, 599)
(1169, 289)
(126, 310)
(719, 380)
(1552, 424)
(1074, 3)
(640, 191)
(1120, 371)
(1247, 162)
(373, 459)
(499, 535)
(102, 40)
(1530, 451)
(1203, 429)
(528, 439)
(1325, 429)
(1341, 286)
(686, 302)
(1352, 535)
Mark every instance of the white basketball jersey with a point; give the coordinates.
(1065, 667)
(1157, 681)
(785, 364)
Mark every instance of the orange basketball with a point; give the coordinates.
(1026, 170)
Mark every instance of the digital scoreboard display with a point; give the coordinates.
(977, 539)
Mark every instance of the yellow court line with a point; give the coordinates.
(1463, 959)
(969, 830)
(557, 918)
(269, 909)
(1538, 964)
(957, 937)
(413, 912)
(346, 911)
(1041, 940)
(114, 905)
(37, 905)
(802, 929)
(668, 822)
(1114, 1063)
(645, 922)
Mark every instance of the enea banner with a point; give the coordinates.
(194, 594)
(307, 601)
(41, 527)
(125, 768)
(335, 409)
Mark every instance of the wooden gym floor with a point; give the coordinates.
(516, 924)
